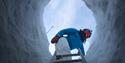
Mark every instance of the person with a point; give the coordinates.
(75, 37)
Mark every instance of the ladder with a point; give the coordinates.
(58, 58)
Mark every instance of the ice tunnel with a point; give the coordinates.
(23, 38)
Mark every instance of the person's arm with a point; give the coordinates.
(82, 50)
(61, 33)
(55, 39)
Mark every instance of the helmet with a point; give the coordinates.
(87, 32)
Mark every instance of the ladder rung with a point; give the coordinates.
(67, 61)
(67, 55)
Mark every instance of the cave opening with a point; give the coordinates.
(61, 14)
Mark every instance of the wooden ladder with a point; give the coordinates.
(81, 60)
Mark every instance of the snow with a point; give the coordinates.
(108, 45)
(22, 34)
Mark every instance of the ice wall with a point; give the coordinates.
(109, 44)
(22, 34)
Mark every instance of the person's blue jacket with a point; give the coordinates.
(73, 37)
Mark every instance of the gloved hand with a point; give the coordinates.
(55, 39)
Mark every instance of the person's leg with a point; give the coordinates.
(62, 48)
